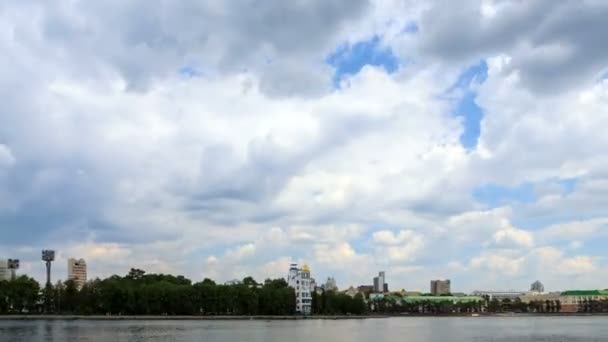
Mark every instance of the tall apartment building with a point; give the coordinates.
(380, 283)
(77, 271)
(439, 287)
(5, 272)
(299, 279)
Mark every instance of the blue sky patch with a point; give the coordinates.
(349, 59)
(476, 73)
(410, 28)
(594, 244)
(188, 71)
(494, 195)
(466, 107)
(569, 184)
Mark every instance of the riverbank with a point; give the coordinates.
(177, 318)
(511, 314)
(276, 318)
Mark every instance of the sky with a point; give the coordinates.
(428, 139)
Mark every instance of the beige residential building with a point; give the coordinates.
(77, 271)
(351, 292)
(5, 273)
(542, 297)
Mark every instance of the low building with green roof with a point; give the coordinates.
(424, 299)
(585, 293)
(572, 300)
(438, 299)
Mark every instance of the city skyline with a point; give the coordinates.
(535, 286)
(429, 139)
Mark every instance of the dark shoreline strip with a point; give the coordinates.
(268, 318)
(175, 318)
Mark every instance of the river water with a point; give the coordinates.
(500, 329)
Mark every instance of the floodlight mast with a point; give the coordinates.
(13, 265)
(48, 256)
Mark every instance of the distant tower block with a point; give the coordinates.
(48, 256)
(77, 271)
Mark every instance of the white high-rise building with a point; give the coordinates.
(77, 271)
(379, 283)
(5, 272)
(299, 279)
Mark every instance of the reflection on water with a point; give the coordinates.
(512, 329)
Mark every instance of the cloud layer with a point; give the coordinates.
(225, 140)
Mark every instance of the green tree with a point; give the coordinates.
(20, 295)
(249, 281)
(70, 297)
(136, 274)
(139, 293)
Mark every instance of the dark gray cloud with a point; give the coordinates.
(146, 40)
(457, 31)
(50, 198)
(552, 43)
(62, 143)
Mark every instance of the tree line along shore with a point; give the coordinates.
(138, 293)
(165, 296)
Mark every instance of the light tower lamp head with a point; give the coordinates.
(13, 264)
(48, 255)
